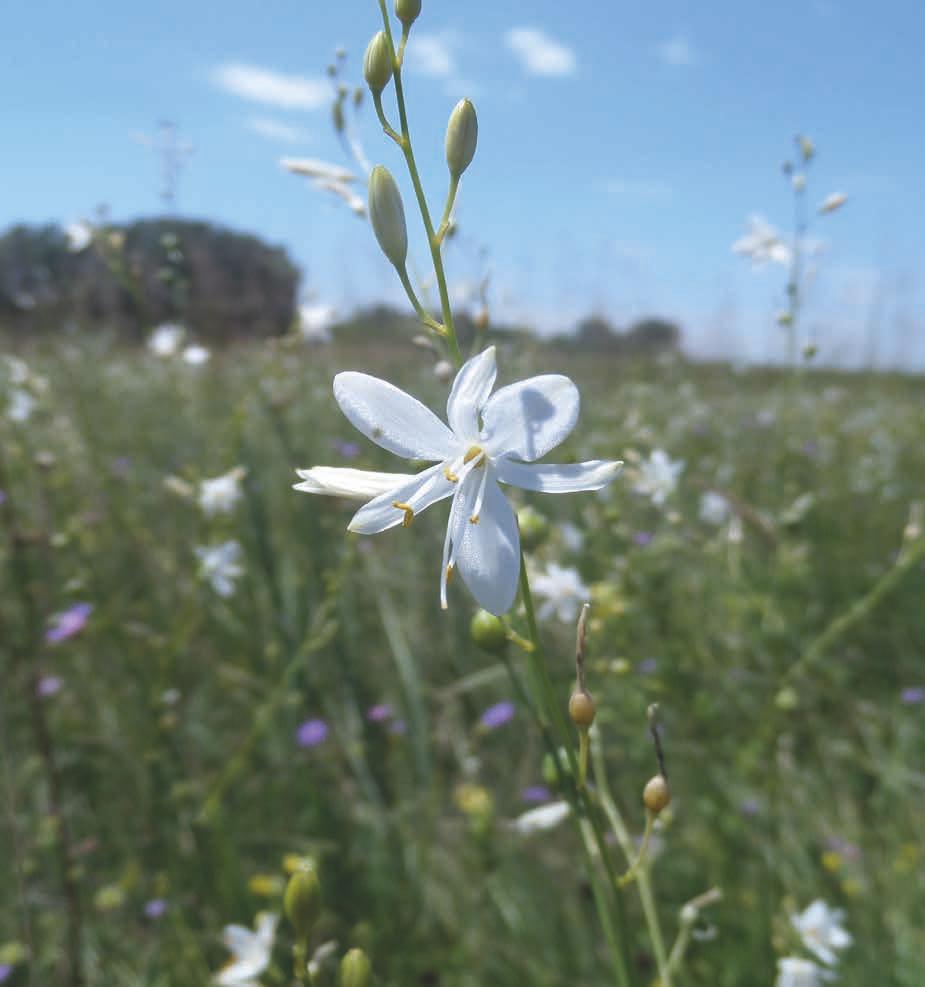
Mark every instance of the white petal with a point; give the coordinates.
(542, 818)
(527, 419)
(238, 939)
(266, 929)
(391, 418)
(470, 391)
(487, 554)
(419, 492)
(335, 481)
(553, 478)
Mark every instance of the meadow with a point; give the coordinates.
(182, 730)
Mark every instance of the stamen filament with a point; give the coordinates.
(479, 498)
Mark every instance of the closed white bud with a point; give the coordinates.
(387, 214)
(462, 134)
(377, 62)
(407, 11)
(832, 202)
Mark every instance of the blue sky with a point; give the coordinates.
(621, 149)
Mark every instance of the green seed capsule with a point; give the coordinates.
(302, 901)
(387, 215)
(377, 62)
(355, 969)
(462, 134)
(407, 11)
(488, 632)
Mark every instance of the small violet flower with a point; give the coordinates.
(491, 439)
(379, 713)
(536, 793)
(312, 733)
(497, 715)
(155, 908)
(69, 622)
(48, 686)
(913, 695)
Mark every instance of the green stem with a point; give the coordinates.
(552, 723)
(448, 208)
(643, 881)
(432, 240)
(428, 321)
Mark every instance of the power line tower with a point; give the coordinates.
(173, 155)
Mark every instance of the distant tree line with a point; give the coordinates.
(648, 336)
(128, 278)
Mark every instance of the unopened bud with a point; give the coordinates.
(337, 116)
(377, 62)
(799, 183)
(302, 901)
(462, 134)
(534, 528)
(832, 202)
(387, 215)
(807, 148)
(656, 795)
(582, 709)
(407, 11)
(355, 969)
(488, 632)
(444, 371)
(810, 350)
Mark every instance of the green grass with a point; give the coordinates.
(173, 732)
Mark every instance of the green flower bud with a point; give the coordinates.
(302, 901)
(377, 62)
(534, 528)
(488, 632)
(355, 969)
(387, 214)
(337, 116)
(462, 134)
(407, 11)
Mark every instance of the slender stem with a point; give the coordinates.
(552, 722)
(386, 126)
(432, 241)
(428, 321)
(448, 208)
(643, 881)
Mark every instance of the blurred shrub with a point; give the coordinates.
(222, 283)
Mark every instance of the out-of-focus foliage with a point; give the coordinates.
(131, 277)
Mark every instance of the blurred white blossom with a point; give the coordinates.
(832, 202)
(762, 244)
(542, 818)
(166, 339)
(219, 566)
(561, 591)
(250, 951)
(821, 930)
(315, 322)
(79, 235)
(714, 508)
(221, 494)
(793, 971)
(20, 406)
(196, 355)
(658, 476)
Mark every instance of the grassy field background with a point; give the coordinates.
(784, 645)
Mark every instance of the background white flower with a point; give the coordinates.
(714, 508)
(762, 244)
(166, 339)
(821, 930)
(250, 951)
(658, 476)
(219, 566)
(561, 591)
(220, 494)
(542, 818)
(794, 971)
(315, 322)
(20, 406)
(491, 439)
(196, 355)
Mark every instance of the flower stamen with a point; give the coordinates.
(409, 513)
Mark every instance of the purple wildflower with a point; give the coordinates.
(2, 497)
(642, 538)
(379, 713)
(912, 696)
(312, 733)
(5, 972)
(155, 908)
(497, 715)
(750, 807)
(68, 623)
(648, 666)
(536, 793)
(349, 450)
(48, 685)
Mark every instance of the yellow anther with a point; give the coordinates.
(409, 513)
(450, 572)
(452, 477)
(474, 451)
(474, 519)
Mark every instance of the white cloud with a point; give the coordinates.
(289, 92)
(538, 53)
(278, 130)
(677, 51)
(432, 54)
(641, 189)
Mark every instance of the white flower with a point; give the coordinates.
(832, 202)
(219, 567)
(20, 406)
(714, 508)
(166, 339)
(762, 244)
(821, 930)
(79, 235)
(220, 494)
(17, 370)
(658, 476)
(491, 438)
(344, 192)
(541, 818)
(313, 168)
(793, 971)
(444, 371)
(196, 355)
(562, 591)
(315, 322)
(320, 957)
(250, 951)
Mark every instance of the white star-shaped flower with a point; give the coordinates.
(562, 592)
(219, 566)
(250, 951)
(794, 971)
(821, 930)
(220, 494)
(762, 244)
(658, 476)
(491, 438)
